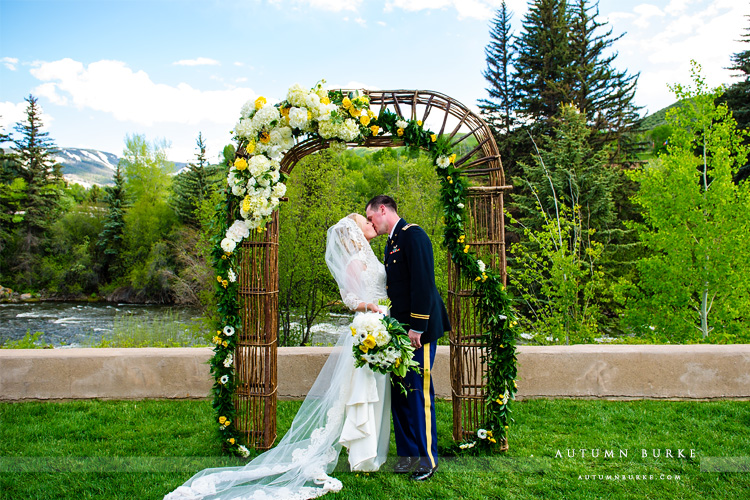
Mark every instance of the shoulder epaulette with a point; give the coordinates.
(408, 226)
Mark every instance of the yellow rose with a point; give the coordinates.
(370, 342)
(419, 123)
(346, 103)
(218, 278)
(433, 138)
(225, 344)
(260, 102)
(400, 132)
(225, 283)
(375, 129)
(240, 164)
(364, 120)
(452, 157)
(231, 441)
(222, 419)
(250, 147)
(354, 111)
(466, 249)
(325, 100)
(227, 423)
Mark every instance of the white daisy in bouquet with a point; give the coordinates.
(381, 343)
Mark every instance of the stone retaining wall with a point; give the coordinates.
(581, 371)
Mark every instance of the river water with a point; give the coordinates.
(82, 324)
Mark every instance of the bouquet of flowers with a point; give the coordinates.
(381, 343)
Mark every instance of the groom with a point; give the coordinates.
(415, 301)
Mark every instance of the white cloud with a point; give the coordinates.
(361, 22)
(10, 114)
(9, 62)
(200, 61)
(475, 9)
(661, 43)
(331, 5)
(131, 96)
(352, 85)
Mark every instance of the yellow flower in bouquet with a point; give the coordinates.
(364, 120)
(347, 103)
(369, 342)
(260, 102)
(375, 129)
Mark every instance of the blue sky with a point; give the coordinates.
(171, 68)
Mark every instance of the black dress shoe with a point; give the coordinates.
(422, 472)
(405, 464)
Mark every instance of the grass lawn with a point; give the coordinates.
(144, 449)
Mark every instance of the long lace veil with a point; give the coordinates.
(299, 466)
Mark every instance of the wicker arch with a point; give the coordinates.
(255, 397)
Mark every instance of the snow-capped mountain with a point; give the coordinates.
(89, 166)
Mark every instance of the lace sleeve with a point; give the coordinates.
(352, 289)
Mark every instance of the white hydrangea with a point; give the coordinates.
(279, 190)
(327, 129)
(232, 276)
(248, 109)
(246, 128)
(348, 131)
(296, 95)
(402, 123)
(264, 116)
(258, 165)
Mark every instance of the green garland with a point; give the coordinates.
(349, 119)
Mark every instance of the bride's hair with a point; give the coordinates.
(382, 199)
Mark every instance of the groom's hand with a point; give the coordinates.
(416, 339)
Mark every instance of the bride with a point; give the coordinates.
(346, 406)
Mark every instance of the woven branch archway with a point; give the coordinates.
(255, 396)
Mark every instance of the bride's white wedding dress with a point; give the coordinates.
(346, 406)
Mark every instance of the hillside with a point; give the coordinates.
(89, 166)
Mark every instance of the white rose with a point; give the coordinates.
(402, 123)
(297, 117)
(481, 265)
(228, 245)
(279, 190)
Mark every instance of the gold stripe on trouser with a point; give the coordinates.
(427, 400)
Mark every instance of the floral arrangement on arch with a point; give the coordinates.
(255, 186)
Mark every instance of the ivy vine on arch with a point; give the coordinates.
(271, 139)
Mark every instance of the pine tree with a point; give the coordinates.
(543, 56)
(191, 187)
(110, 242)
(602, 94)
(568, 171)
(34, 152)
(499, 109)
(737, 97)
(562, 60)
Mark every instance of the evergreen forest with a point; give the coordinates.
(619, 227)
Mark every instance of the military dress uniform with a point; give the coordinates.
(415, 301)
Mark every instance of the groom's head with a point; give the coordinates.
(382, 212)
